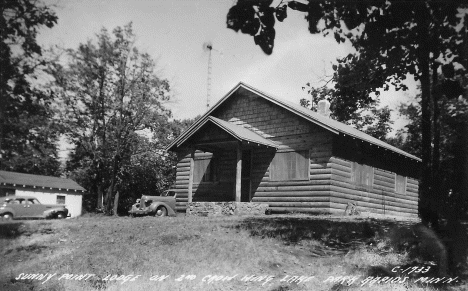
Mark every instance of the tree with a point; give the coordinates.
(109, 92)
(28, 135)
(367, 116)
(451, 192)
(397, 37)
(151, 169)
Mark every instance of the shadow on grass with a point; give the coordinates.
(423, 248)
(28, 285)
(340, 234)
(11, 229)
(14, 229)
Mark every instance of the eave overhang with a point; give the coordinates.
(239, 133)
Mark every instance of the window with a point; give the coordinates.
(60, 199)
(204, 171)
(362, 175)
(33, 201)
(400, 184)
(16, 201)
(290, 166)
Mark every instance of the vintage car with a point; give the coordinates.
(155, 205)
(22, 207)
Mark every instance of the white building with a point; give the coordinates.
(48, 190)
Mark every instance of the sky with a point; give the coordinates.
(174, 31)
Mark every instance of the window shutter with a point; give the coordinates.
(400, 184)
(200, 169)
(362, 175)
(290, 166)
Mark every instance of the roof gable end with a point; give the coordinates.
(322, 121)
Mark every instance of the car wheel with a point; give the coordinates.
(7, 216)
(161, 211)
(60, 215)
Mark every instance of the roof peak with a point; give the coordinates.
(327, 123)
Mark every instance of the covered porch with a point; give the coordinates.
(226, 162)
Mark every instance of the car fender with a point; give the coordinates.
(156, 204)
(50, 213)
(7, 210)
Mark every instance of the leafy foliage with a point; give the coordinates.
(453, 118)
(370, 118)
(257, 19)
(151, 170)
(28, 134)
(392, 39)
(109, 94)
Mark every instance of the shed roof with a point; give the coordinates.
(238, 132)
(327, 123)
(20, 179)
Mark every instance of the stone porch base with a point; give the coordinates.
(226, 208)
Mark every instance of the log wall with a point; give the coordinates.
(220, 190)
(312, 195)
(329, 188)
(381, 198)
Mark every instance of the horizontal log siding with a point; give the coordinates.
(381, 199)
(221, 190)
(329, 187)
(291, 133)
(312, 196)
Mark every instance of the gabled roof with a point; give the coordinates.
(28, 180)
(327, 123)
(238, 132)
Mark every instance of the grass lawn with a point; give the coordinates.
(277, 252)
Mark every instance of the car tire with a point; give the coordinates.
(60, 215)
(7, 216)
(161, 211)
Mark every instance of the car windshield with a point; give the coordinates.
(168, 193)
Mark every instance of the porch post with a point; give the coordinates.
(238, 172)
(192, 165)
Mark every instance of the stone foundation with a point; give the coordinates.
(226, 208)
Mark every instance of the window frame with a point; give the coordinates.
(362, 169)
(405, 184)
(282, 176)
(34, 201)
(210, 172)
(64, 199)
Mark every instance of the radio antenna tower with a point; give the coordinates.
(208, 46)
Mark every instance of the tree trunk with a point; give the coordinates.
(116, 203)
(460, 188)
(436, 122)
(100, 197)
(426, 204)
(436, 140)
(110, 191)
(3, 86)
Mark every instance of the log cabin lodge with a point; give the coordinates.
(254, 147)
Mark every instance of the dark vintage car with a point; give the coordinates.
(163, 205)
(22, 207)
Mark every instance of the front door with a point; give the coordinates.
(245, 176)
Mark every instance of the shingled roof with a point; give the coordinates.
(28, 180)
(327, 123)
(238, 132)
